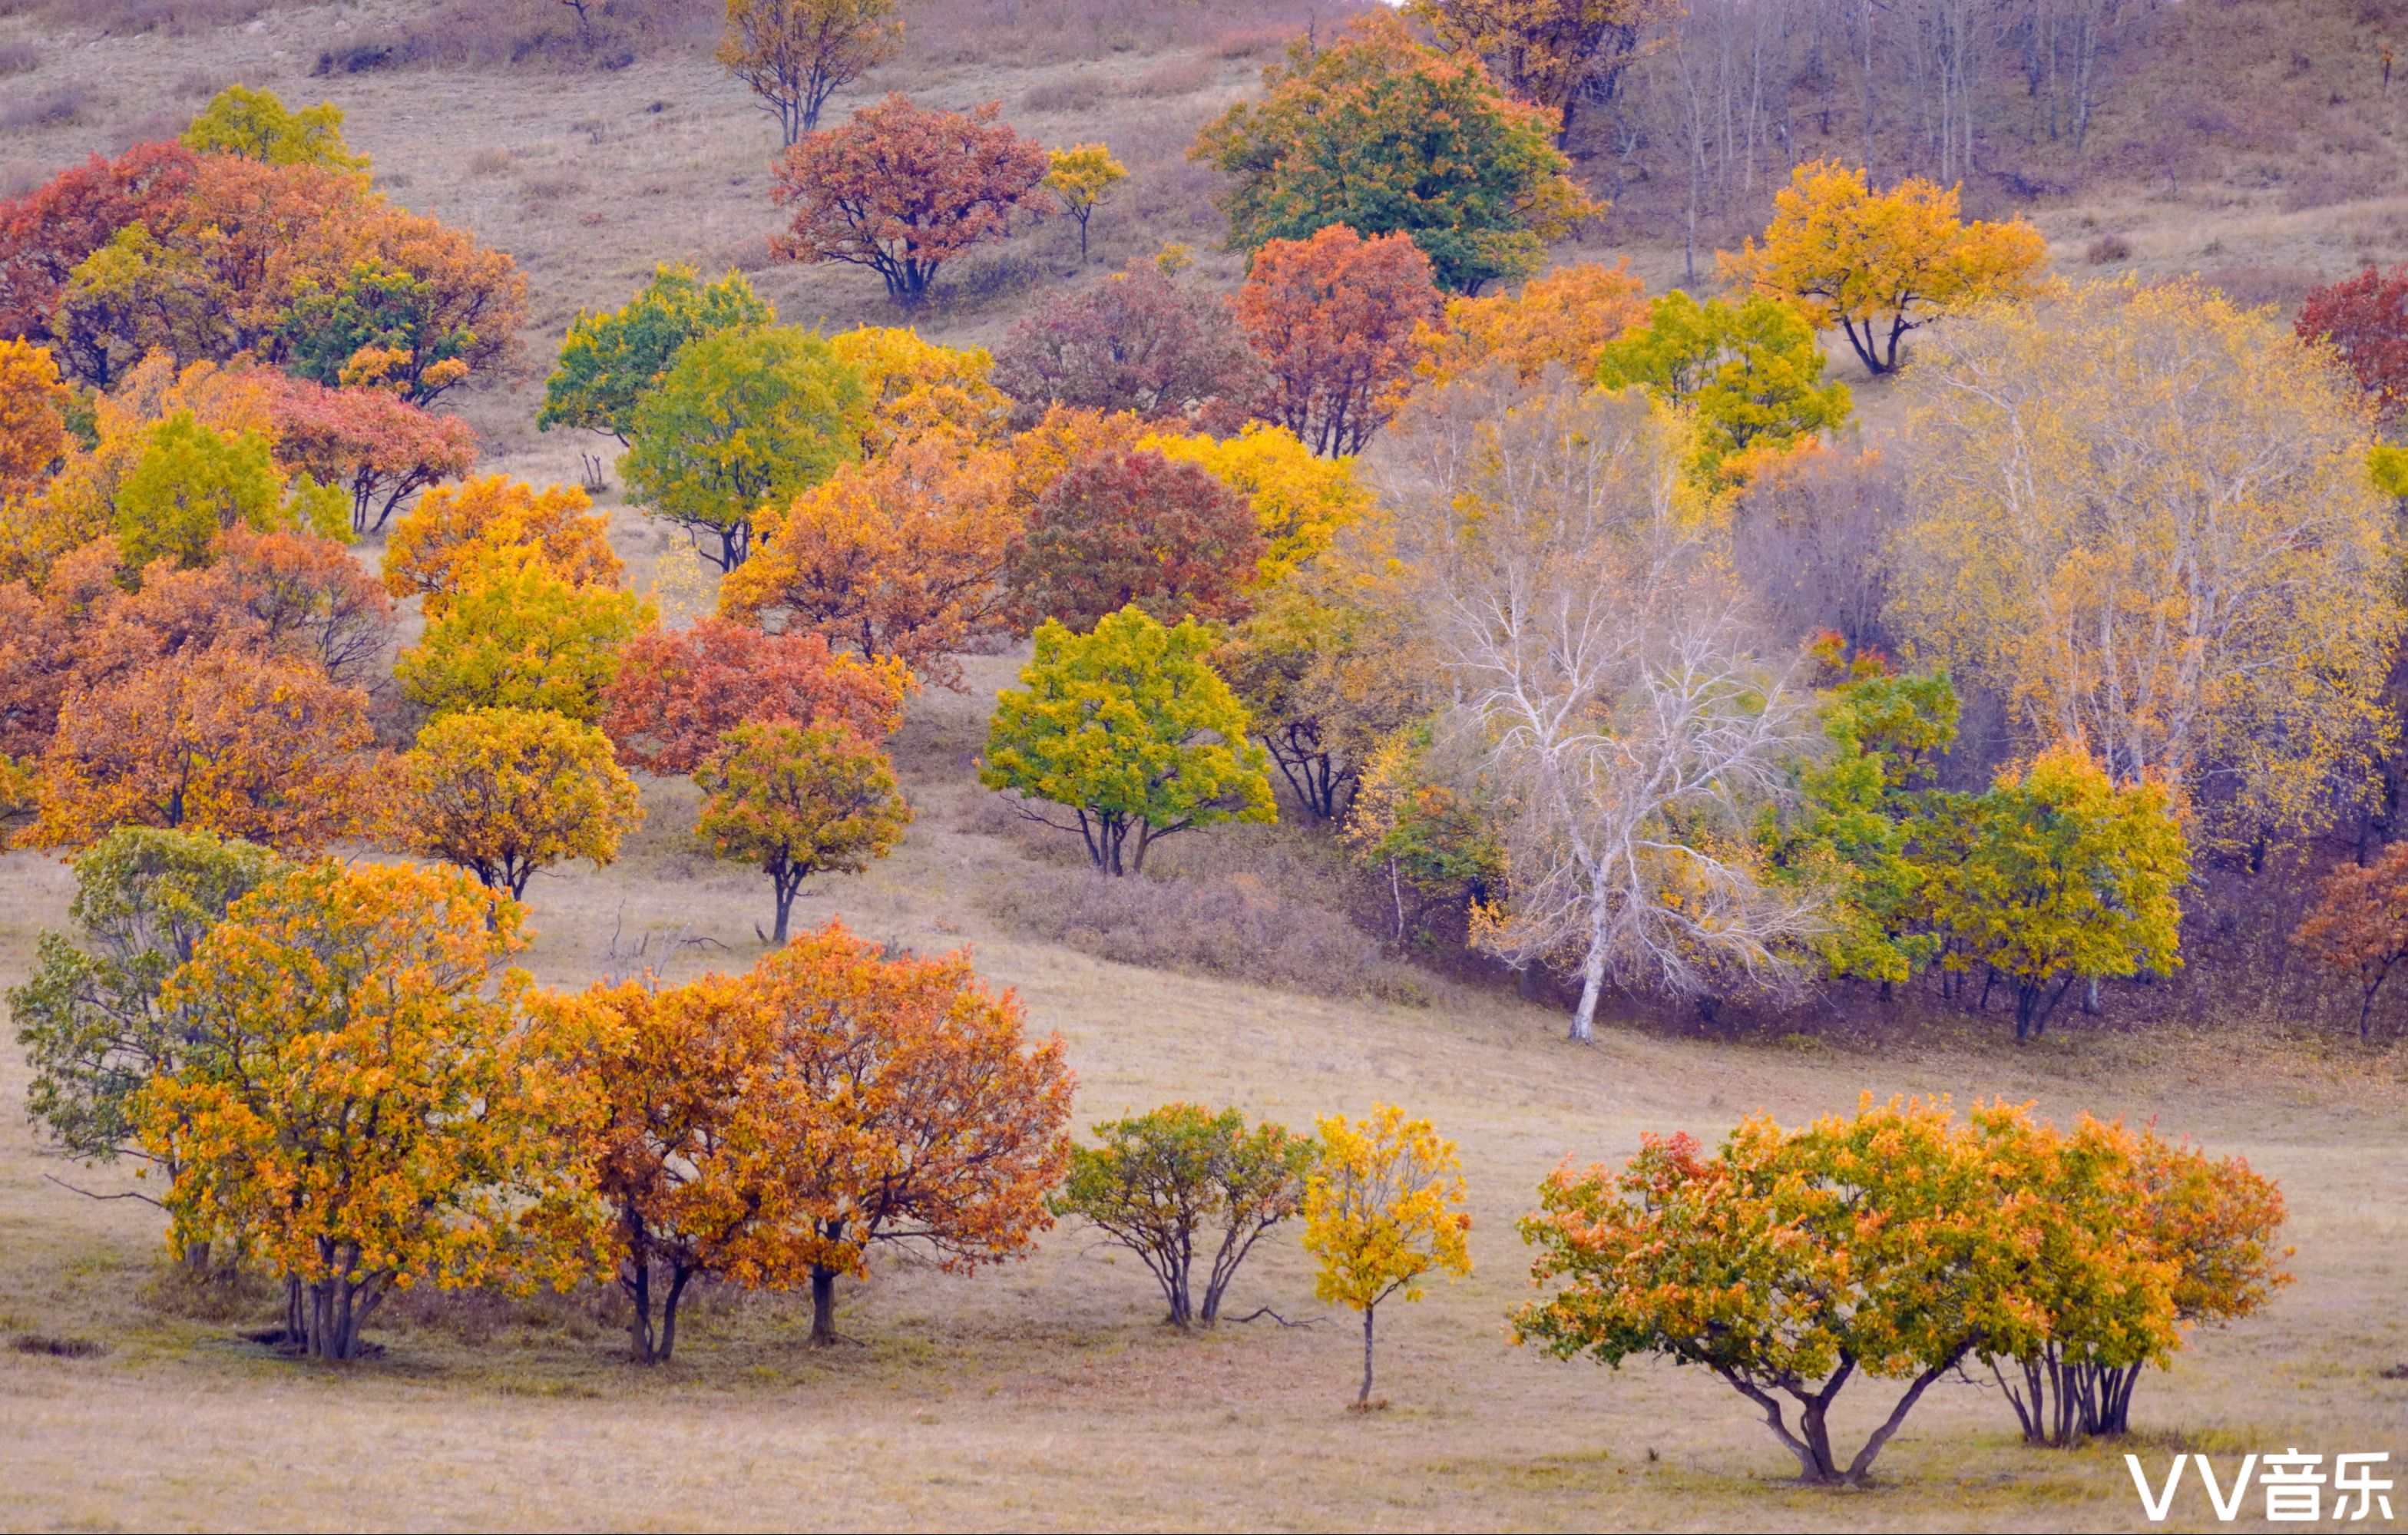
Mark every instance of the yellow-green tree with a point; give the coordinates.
(1300, 499)
(506, 791)
(610, 358)
(1750, 373)
(799, 800)
(1079, 177)
(1383, 1207)
(2141, 516)
(2056, 875)
(258, 126)
(364, 1107)
(192, 483)
(1880, 264)
(519, 635)
(1130, 730)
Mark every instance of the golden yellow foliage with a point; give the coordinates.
(1384, 1206)
(437, 549)
(1567, 317)
(1300, 500)
(919, 389)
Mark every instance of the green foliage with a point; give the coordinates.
(2387, 465)
(1750, 371)
(89, 1016)
(1159, 1180)
(612, 358)
(1132, 730)
(521, 635)
(378, 326)
(255, 125)
(1431, 840)
(745, 418)
(193, 482)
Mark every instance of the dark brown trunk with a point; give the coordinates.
(823, 1305)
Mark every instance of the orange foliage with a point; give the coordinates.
(371, 442)
(1339, 320)
(1566, 318)
(2360, 925)
(678, 691)
(32, 425)
(439, 547)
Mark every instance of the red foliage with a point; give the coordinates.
(371, 441)
(1121, 528)
(1136, 342)
(48, 232)
(2366, 319)
(678, 691)
(310, 599)
(2360, 925)
(902, 189)
(1333, 317)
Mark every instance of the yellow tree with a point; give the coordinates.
(795, 53)
(2141, 516)
(1383, 1207)
(1080, 176)
(519, 635)
(437, 548)
(365, 1108)
(1300, 500)
(799, 800)
(1880, 264)
(918, 389)
(506, 791)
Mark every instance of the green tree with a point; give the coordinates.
(2056, 875)
(89, 1016)
(193, 484)
(380, 325)
(1432, 840)
(799, 800)
(521, 636)
(747, 417)
(1381, 134)
(1130, 729)
(258, 126)
(1750, 371)
(1159, 1180)
(612, 358)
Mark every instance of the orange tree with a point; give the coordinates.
(678, 691)
(1340, 322)
(900, 559)
(377, 446)
(1383, 1207)
(1889, 1244)
(902, 189)
(1879, 263)
(504, 792)
(1120, 530)
(33, 417)
(936, 1123)
(1131, 731)
(799, 800)
(2360, 925)
(1567, 317)
(310, 599)
(220, 741)
(365, 1108)
(437, 547)
(697, 1123)
(1557, 54)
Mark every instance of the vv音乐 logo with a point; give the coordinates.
(2294, 1485)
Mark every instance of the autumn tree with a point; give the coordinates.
(1159, 1185)
(902, 189)
(794, 54)
(89, 1016)
(1384, 135)
(799, 800)
(611, 358)
(1788, 1263)
(220, 741)
(365, 1108)
(1557, 54)
(901, 558)
(33, 417)
(519, 635)
(919, 390)
(193, 484)
(310, 599)
(47, 233)
(939, 1126)
(678, 691)
(1066, 434)
(1079, 176)
(2364, 319)
(1301, 501)
(1431, 840)
(2142, 517)
(1749, 372)
(254, 123)
(368, 441)
(455, 531)
(743, 418)
(1338, 319)
(505, 793)
(1566, 318)
(1137, 342)
(2358, 925)
(1880, 264)
(1383, 1207)
(1135, 530)
(1130, 730)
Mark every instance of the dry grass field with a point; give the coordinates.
(1045, 1394)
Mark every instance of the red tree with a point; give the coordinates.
(48, 232)
(1122, 528)
(310, 599)
(1334, 319)
(2360, 925)
(371, 442)
(1136, 342)
(678, 691)
(2366, 319)
(902, 189)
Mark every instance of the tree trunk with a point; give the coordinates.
(786, 882)
(823, 1305)
(1363, 1397)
